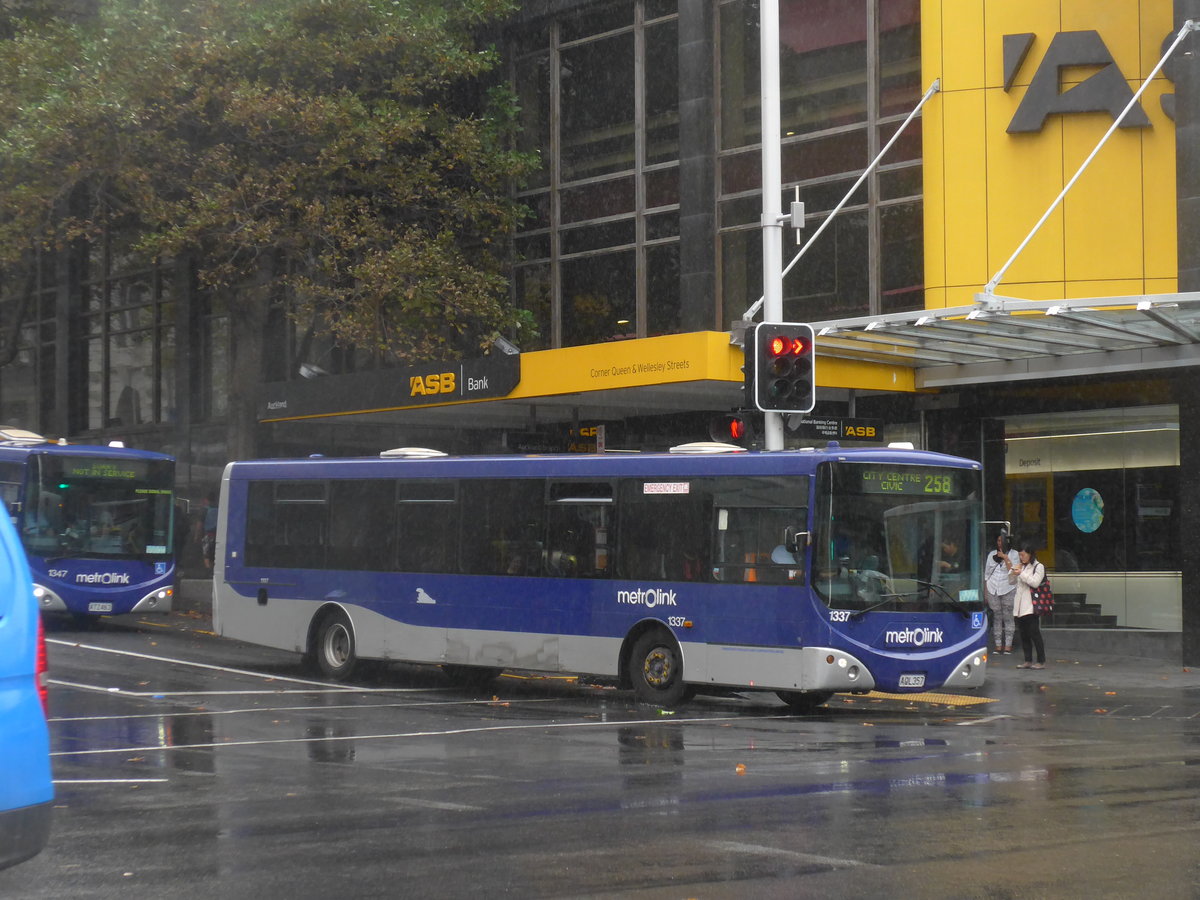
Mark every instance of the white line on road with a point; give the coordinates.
(200, 665)
(984, 720)
(549, 726)
(111, 780)
(760, 850)
(308, 709)
(122, 692)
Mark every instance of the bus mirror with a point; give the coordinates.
(794, 539)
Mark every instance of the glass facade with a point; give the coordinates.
(599, 258)
(849, 74)
(1097, 492)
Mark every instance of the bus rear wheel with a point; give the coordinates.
(803, 703)
(334, 647)
(656, 671)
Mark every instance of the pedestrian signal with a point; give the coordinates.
(784, 377)
(731, 428)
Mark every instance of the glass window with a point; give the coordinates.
(597, 107)
(131, 374)
(287, 525)
(896, 536)
(1096, 490)
(361, 527)
(899, 56)
(831, 282)
(579, 530)
(665, 533)
(427, 526)
(662, 289)
(598, 298)
(599, 200)
(596, 20)
(504, 531)
(533, 86)
(597, 237)
(902, 262)
(533, 293)
(662, 93)
(84, 506)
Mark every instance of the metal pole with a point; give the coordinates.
(1188, 26)
(748, 315)
(772, 186)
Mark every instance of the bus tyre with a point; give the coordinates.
(656, 671)
(334, 647)
(803, 703)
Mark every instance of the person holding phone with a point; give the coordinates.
(1029, 573)
(1000, 589)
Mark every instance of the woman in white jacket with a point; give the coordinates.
(1029, 574)
(999, 589)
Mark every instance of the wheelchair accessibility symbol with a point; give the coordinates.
(978, 619)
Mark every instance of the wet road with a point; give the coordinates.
(192, 766)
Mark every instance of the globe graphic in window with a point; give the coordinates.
(1087, 510)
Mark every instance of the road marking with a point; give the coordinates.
(111, 780)
(286, 709)
(122, 692)
(200, 665)
(984, 720)
(760, 850)
(550, 726)
(435, 804)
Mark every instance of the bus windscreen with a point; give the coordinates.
(79, 506)
(897, 536)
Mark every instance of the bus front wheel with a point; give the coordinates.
(656, 671)
(803, 702)
(334, 646)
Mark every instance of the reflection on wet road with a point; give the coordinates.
(199, 767)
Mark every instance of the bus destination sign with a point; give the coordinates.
(910, 480)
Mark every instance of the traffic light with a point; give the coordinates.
(731, 428)
(783, 367)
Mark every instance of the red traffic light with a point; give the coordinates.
(783, 378)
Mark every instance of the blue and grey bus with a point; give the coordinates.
(802, 572)
(96, 523)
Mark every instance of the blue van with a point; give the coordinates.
(26, 790)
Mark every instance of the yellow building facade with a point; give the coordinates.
(987, 184)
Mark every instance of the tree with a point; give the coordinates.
(352, 157)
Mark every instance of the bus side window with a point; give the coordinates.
(664, 536)
(579, 528)
(749, 547)
(360, 524)
(502, 526)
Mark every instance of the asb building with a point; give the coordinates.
(957, 305)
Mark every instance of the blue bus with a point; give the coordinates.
(26, 789)
(96, 523)
(800, 572)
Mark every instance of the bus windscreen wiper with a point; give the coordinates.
(954, 604)
(888, 598)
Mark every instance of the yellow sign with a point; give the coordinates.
(441, 383)
(1005, 134)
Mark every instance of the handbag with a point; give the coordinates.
(1043, 597)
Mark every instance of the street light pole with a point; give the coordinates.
(772, 188)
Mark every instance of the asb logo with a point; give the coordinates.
(1105, 90)
(422, 385)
